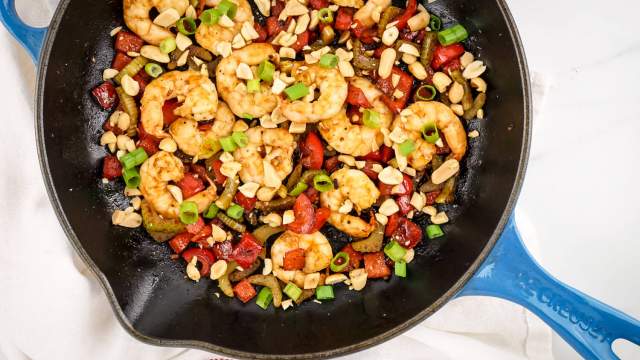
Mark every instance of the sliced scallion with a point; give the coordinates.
(435, 23)
(339, 262)
(187, 26)
(154, 70)
(228, 8)
(292, 291)
(235, 211)
(297, 91)
(188, 212)
(430, 132)
(325, 15)
(253, 86)
(400, 268)
(131, 177)
(407, 147)
(394, 251)
(241, 139)
(264, 298)
(426, 93)
(324, 292)
(298, 189)
(211, 16)
(452, 35)
(266, 70)
(434, 231)
(371, 119)
(211, 212)
(328, 61)
(228, 144)
(322, 182)
(168, 45)
(134, 158)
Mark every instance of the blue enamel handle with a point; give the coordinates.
(29, 37)
(509, 272)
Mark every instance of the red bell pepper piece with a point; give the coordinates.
(444, 54)
(312, 152)
(274, 26)
(199, 170)
(127, 41)
(247, 203)
(149, 144)
(378, 51)
(168, 109)
(195, 227)
(354, 258)
(431, 197)
(143, 79)
(318, 4)
(392, 224)
(293, 259)
(404, 203)
(305, 216)
(302, 41)
(247, 250)
(452, 65)
(356, 97)
(262, 32)
(408, 234)
(410, 9)
(105, 95)
(376, 266)
(404, 86)
(384, 154)
(277, 8)
(344, 18)
(120, 61)
(204, 256)
(180, 242)
(244, 291)
(219, 178)
(190, 185)
(368, 169)
(111, 167)
(405, 187)
(223, 250)
(366, 35)
(321, 217)
(312, 194)
(201, 237)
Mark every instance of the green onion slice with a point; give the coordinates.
(435, 23)
(154, 70)
(394, 250)
(400, 268)
(426, 93)
(211, 212)
(247, 116)
(134, 158)
(371, 119)
(339, 262)
(241, 139)
(235, 211)
(292, 291)
(298, 189)
(324, 292)
(322, 182)
(430, 132)
(228, 144)
(168, 45)
(228, 8)
(452, 35)
(188, 212)
(328, 61)
(325, 15)
(297, 91)
(253, 86)
(407, 147)
(187, 26)
(131, 177)
(264, 298)
(266, 70)
(211, 16)
(434, 231)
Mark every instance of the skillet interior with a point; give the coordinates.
(148, 290)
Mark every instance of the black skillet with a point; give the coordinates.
(481, 254)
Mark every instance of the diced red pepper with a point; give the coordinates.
(366, 35)
(262, 32)
(304, 214)
(127, 41)
(168, 111)
(318, 4)
(293, 259)
(354, 258)
(405, 187)
(444, 54)
(392, 224)
(410, 9)
(331, 164)
(247, 250)
(247, 203)
(274, 26)
(408, 233)
(302, 41)
(195, 227)
(180, 242)
(219, 178)
(356, 97)
(384, 154)
(404, 86)
(223, 250)
(312, 194)
(404, 203)
(452, 65)
(312, 152)
(190, 185)
(201, 236)
(105, 95)
(204, 256)
(120, 61)
(149, 144)
(368, 169)
(277, 8)
(321, 217)
(143, 79)
(378, 51)
(344, 18)
(199, 170)
(431, 197)
(244, 291)
(111, 167)
(376, 266)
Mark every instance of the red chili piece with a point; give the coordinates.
(304, 214)
(354, 258)
(356, 97)
(444, 54)
(244, 291)
(180, 242)
(344, 18)
(204, 256)
(111, 167)
(293, 259)
(127, 41)
(410, 9)
(247, 203)
(120, 61)
(246, 251)
(375, 265)
(105, 95)
(312, 152)
(408, 234)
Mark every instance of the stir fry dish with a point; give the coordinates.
(247, 133)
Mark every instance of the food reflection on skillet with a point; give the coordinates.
(242, 142)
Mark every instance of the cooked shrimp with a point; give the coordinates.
(355, 186)
(267, 159)
(196, 91)
(333, 93)
(193, 141)
(234, 91)
(136, 17)
(156, 173)
(317, 250)
(413, 120)
(209, 36)
(356, 139)
(365, 14)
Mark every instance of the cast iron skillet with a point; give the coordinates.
(157, 305)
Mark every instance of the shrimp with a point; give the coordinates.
(136, 17)
(267, 159)
(413, 120)
(196, 91)
(234, 91)
(193, 141)
(317, 250)
(354, 139)
(355, 186)
(365, 14)
(209, 36)
(333, 94)
(156, 173)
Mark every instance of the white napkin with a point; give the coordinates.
(51, 306)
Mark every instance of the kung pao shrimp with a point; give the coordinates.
(246, 141)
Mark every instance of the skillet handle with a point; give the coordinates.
(589, 326)
(29, 37)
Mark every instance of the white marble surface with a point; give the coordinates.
(580, 195)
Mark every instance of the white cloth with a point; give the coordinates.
(51, 306)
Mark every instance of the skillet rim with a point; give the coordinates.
(201, 345)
